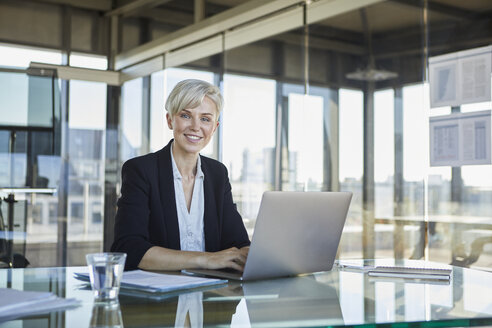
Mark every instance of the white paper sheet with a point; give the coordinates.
(153, 282)
(16, 303)
(475, 70)
(165, 282)
(460, 139)
(460, 78)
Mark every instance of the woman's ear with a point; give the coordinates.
(216, 126)
(169, 121)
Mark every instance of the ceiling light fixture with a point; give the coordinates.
(371, 75)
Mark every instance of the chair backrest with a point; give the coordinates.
(3, 240)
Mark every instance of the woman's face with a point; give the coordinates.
(194, 127)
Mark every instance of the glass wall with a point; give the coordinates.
(248, 154)
(305, 126)
(35, 160)
(384, 168)
(20, 57)
(87, 124)
(88, 61)
(342, 103)
(384, 152)
(159, 133)
(131, 119)
(351, 167)
(459, 196)
(30, 160)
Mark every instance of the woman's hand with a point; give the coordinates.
(232, 258)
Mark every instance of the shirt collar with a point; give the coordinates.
(177, 174)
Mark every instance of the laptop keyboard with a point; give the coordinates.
(229, 270)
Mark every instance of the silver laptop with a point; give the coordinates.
(295, 233)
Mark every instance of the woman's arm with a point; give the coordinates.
(159, 258)
(132, 217)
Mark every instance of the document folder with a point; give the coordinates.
(410, 273)
(153, 283)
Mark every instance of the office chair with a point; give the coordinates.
(18, 260)
(4, 261)
(466, 260)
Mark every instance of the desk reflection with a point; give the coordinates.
(290, 301)
(297, 301)
(190, 310)
(186, 310)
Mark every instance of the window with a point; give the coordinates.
(384, 152)
(415, 148)
(16, 56)
(87, 113)
(351, 148)
(88, 61)
(87, 124)
(249, 140)
(351, 167)
(14, 98)
(131, 119)
(27, 103)
(477, 198)
(305, 142)
(159, 132)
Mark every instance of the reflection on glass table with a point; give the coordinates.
(106, 315)
(335, 298)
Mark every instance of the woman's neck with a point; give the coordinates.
(185, 162)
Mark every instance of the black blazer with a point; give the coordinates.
(147, 215)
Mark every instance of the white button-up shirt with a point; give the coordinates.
(192, 237)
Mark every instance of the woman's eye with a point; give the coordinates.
(205, 119)
(184, 116)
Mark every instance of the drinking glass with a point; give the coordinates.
(105, 271)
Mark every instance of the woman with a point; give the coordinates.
(176, 209)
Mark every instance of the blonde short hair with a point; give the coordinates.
(190, 93)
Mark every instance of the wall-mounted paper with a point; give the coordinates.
(460, 78)
(460, 139)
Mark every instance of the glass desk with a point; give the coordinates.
(335, 298)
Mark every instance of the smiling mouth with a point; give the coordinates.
(192, 137)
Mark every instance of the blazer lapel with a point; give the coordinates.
(168, 199)
(210, 224)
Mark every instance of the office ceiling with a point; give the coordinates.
(385, 17)
(392, 33)
(397, 14)
(443, 9)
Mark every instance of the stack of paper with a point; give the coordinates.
(15, 303)
(145, 283)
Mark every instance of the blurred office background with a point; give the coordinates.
(320, 95)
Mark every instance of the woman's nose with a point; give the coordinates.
(195, 124)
